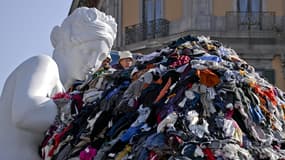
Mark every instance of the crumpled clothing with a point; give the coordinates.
(167, 122)
(92, 95)
(233, 151)
(198, 100)
(88, 153)
(181, 60)
(208, 78)
(199, 130)
(210, 58)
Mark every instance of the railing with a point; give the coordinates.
(149, 30)
(249, 21)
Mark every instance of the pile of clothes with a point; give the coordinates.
(193, 99)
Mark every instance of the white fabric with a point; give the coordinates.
(149, 57)
(167, 122)
(192, 117)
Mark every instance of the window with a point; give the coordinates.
(249, 13)
(152, 10)
(153, 25)
(249, 6)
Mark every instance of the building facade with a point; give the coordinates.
(255, 29)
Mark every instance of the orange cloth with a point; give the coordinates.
(269, 93)
(207, 77)
(264, 109)
(163, 90)
(283, 108)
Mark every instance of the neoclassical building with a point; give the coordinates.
(254, 28)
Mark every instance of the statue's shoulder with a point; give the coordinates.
(38, 62)
(36, 65)
(40, 59)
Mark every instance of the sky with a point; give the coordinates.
(25, 28)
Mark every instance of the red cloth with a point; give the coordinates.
(61, 95)
(181, 60)
(152, 156)
(229, 114)
(209, 154)
(265, 93)
(57, 139)
(78, 100)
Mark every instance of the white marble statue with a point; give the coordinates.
(82, 42)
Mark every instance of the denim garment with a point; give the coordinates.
(256, 114)
(156, 140)
(189, 151)
(210, 58)
(130, 132)
(123, 123)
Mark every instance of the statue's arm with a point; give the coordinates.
(32, 108)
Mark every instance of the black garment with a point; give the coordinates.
(118, 66)
(182, 40)
(149, 94)
(101, 123)
(122, 123)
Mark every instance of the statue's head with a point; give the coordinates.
(83, 41)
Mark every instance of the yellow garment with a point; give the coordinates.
(124, 152)
(211, 47)
(238, 135)
(242, 72)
